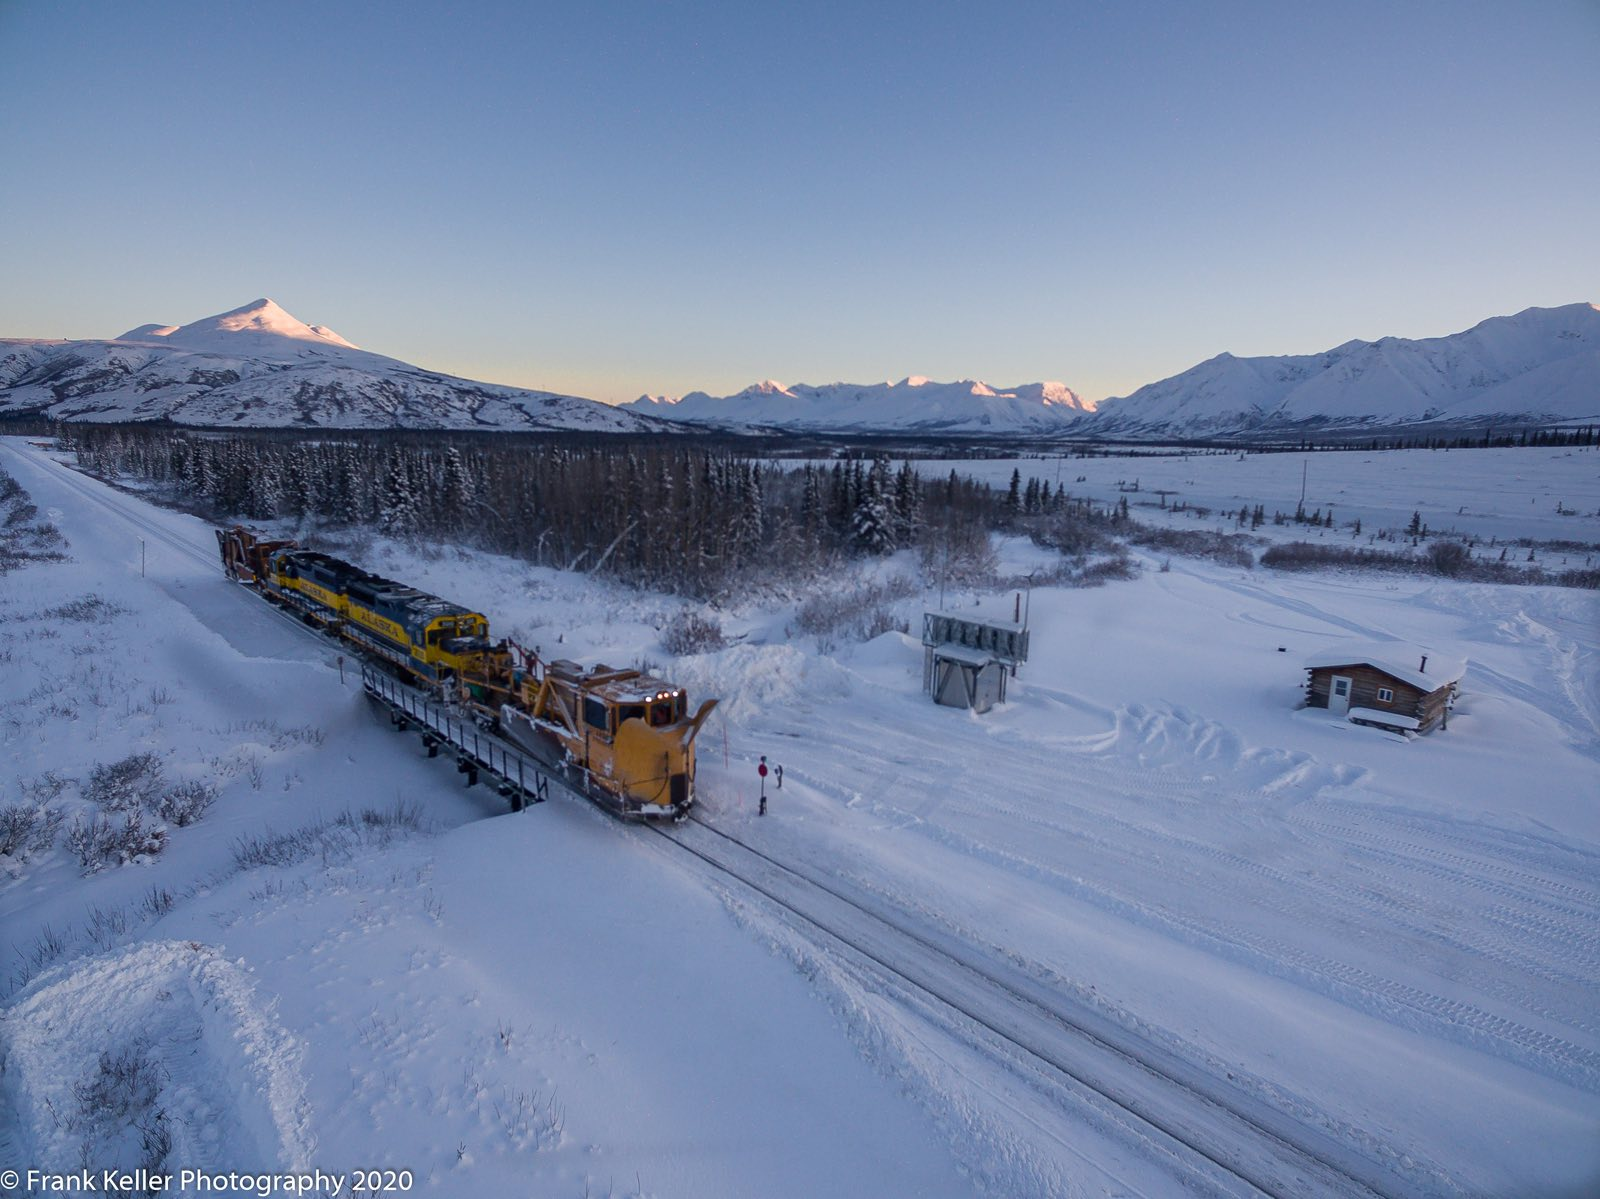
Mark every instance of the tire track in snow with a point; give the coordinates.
(1334, 898)
(1273, 1152)
(1390, 999)
(1582, 903)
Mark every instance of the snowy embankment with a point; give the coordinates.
(1390, 942)
(180, 1047)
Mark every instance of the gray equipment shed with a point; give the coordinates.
(966, 662)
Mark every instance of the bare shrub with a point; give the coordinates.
(90, 608)
(1304, 555)
(48, 947)
(116, 1110)
(133, 782)
(102, 840)
(860, 612)
(1074, 533)
(23, 537)
(959, 555)
(158, 901)
(186, 803)
(529, 1119)
(124, 1084)
(28, 829)
(878, 621)
(44, 789)
(1115, 567)
(692, 633)
(332, 840)
(278, 737)
(1231, 549)
(106, 927)
(1448, 557)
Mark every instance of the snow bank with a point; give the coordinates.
(211, 1056)
(758, 680)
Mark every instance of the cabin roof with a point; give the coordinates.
(1398, 659)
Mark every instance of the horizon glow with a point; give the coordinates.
(615, 200)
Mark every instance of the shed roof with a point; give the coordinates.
(965, 654)
(1399, 659)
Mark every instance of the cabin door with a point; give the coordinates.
(1339, 695)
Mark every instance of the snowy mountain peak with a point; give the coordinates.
(767, 387)
(259, 366)
(260, 323)
(1054, 392)
(260, 317)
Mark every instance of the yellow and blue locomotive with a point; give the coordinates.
(424, 637)
(629, 735)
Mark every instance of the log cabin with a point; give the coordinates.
(1389, 684)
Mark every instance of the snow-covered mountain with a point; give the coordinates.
(1543, 364)
(259, 366)
(914, 404)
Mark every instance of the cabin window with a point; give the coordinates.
(630, 712)
(661, 713)
(596, 715)
(1385, 695)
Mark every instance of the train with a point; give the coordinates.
(625, 737)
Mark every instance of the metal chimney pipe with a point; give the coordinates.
(1424, 667)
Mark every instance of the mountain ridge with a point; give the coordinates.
(257, 366)
(1541, 364)
(1537, 364)
(913, 404)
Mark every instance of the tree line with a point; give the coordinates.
(694, 520)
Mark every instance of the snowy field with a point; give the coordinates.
(1539, 494)
(1391, 945)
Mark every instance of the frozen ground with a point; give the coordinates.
(1391, 943)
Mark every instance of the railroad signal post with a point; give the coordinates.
(762, 771)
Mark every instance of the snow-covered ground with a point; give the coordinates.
(1391, 943)
(1542, 494)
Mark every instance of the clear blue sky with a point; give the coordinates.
(609, 199)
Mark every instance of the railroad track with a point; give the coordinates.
(92, 491)
(74, 481)
(1223, 1133)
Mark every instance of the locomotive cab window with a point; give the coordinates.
(596, 715)
(629, 712)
